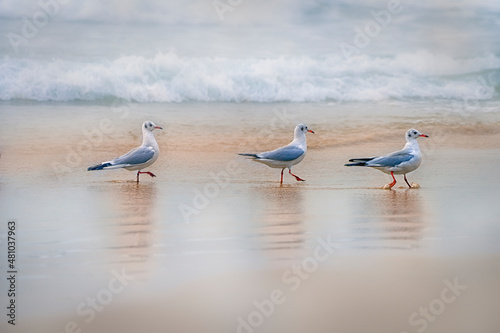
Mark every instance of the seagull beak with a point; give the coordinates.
(158, 127)
(310, 131)
(424, 135)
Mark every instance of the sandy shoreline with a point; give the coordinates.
(356, 293)
(199, 271)
(70, 137)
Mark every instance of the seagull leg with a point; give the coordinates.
(406, 180)
(296, 177)
(148, 172)
(389, 186)
(281, 181)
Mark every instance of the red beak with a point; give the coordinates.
(158, 127)
(311, 131)
(424, 135)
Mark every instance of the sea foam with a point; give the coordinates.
(168, 77)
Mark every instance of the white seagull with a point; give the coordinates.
(287, 156)
(138, 158)
(400, 162)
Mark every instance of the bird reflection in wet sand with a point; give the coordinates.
(281, 216)
(134, 225)
(391, 220)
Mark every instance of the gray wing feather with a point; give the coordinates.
(282, 154)
(390, 160)
(138, 155)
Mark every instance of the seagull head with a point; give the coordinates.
(413, 134)
(150, 126)
(302, 129)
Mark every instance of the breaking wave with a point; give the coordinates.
(168, 77)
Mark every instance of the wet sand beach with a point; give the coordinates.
(214, 243)
(196, 248)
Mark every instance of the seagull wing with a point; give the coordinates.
(390, 160)
(285, 154)
(136, 156)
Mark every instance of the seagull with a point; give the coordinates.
(286, 156)
(138, 158)
(400, 162)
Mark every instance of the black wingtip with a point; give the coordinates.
(355, 164)
(98, 166)
(95, 167)
(251, 155)
(361, 159)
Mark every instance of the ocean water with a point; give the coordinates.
(287, 51)
(357, 72)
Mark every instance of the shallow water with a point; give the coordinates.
(210, 213)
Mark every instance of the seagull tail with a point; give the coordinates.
(251, 155)
(99, 166)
